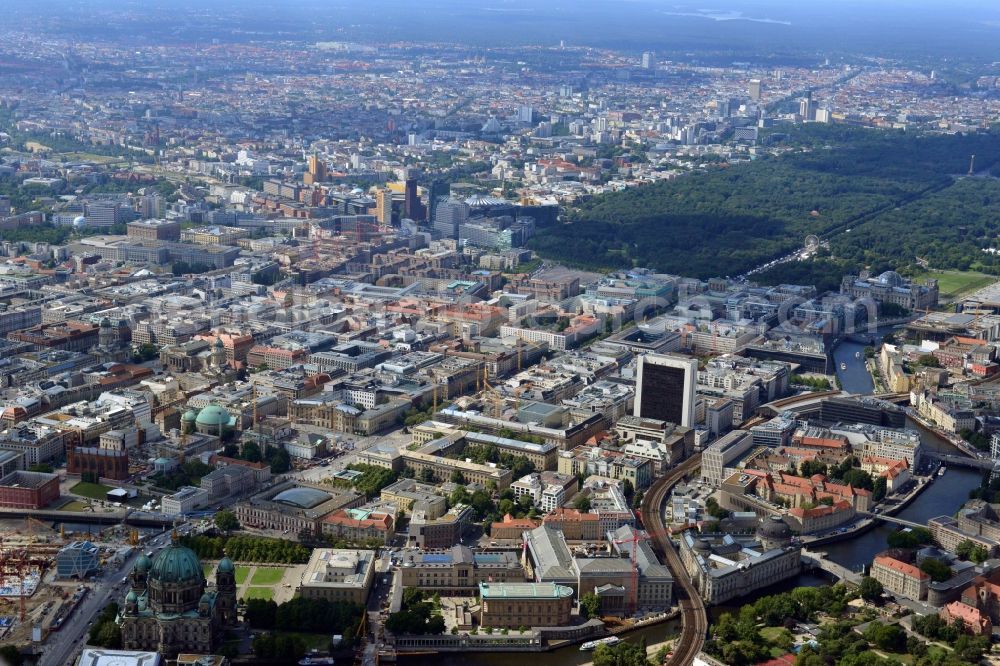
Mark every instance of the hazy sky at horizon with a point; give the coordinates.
(911, 28)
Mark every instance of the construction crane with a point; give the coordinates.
(17, 563)
(30, 523)
(365, 231)
(255, 426)
(492, 398)
(637, 536)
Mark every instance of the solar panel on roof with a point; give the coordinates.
(489, 558)
(435, 558)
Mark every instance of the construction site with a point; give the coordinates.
(44, 573)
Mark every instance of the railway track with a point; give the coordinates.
(694, 619)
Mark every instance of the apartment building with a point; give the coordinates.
(900, 577)
(717, 460)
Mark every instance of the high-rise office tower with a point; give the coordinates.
(665, 388)
(449, 216)
(525, 114)
(411, 200)
(755, 89)
(438, 192)
(383, 206)
(317, 170)
(151, 205)
(648, 60)
(807, 109)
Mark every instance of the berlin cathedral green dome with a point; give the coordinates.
(176, 564)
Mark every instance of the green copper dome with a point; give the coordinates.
(143, 563)
(176, 564)
(225, 566)
(213, 416)
(190, 415)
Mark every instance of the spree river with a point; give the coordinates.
(849, 358)
(567, 656)
(854, 376)
(943, 497)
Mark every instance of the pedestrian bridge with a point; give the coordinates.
(892, 519)
(985, 464)
(820, 561)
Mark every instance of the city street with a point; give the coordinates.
(61, 646)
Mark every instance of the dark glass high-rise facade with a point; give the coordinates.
(662, 395)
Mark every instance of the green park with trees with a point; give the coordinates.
(898, 193)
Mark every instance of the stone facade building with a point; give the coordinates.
(900, 577)
(169, 607)
(724, 568)
(512, 605)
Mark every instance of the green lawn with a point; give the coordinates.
(778, 635)
(259, 593)
(89, 157)
(75, 505)
(772, 633)
(241, 574)
(956, 283)
(267, 576)
(207, 569)
(92, 490)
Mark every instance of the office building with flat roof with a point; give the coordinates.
(28, 490)
(338, 575)
(665, 388)
(154, 230)
(77, 560)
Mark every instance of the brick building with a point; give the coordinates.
(99, 462)
(28, 490)
(74, 336)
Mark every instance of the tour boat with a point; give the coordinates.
(610, 641)
(843, 366)
(942, 470)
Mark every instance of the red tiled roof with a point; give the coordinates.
(902, 567)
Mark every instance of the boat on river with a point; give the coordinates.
(610, 641)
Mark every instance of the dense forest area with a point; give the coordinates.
(730, 219)
(949, 228)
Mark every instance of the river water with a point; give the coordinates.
(567, 656)
(944, 496)
(853, 376)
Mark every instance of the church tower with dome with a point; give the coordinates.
(170, 608)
